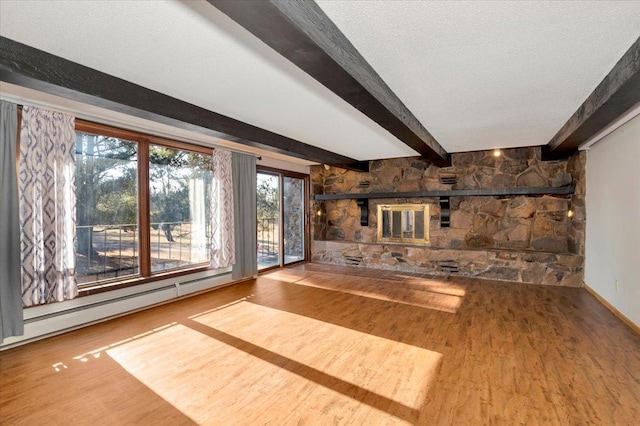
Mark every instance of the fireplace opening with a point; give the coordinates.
(403, 223)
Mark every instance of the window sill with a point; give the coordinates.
(103, 287)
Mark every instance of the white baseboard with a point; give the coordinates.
(613, 309)
(62, 317)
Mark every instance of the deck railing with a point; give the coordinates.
(268, 239)
(112, 251)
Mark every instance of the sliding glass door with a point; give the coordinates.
(268, 204)
(281, 215)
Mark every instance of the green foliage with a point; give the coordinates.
(107, 183)
(267, 198)
(163, 156)
(117, 209)
(106, 180)
(170, 172)
(170, 207)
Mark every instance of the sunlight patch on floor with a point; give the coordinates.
(286, 367)
(427, 294)
(287, 275)
(386, 367)
(95, 353)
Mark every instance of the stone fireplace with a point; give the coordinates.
(537, 238)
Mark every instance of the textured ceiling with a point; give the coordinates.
(478, 75)
(193, 52)
(487, 74)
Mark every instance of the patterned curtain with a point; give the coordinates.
(222, 236)
(47, 206)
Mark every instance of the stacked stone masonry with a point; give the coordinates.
(510, 265)
(528, 239)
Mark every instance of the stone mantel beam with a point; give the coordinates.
(561, 190)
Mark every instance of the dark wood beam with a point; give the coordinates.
(301, 32)
(35, 69)
(616, 94)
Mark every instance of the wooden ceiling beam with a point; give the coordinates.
(301, 32)
(35, 69)
(618, 92)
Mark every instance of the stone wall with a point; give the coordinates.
(292, 193)
(504, 231)
(510, 265)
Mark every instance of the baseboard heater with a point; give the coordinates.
(62, 321)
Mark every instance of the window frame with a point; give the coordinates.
(306, 229)
(145, 275)
(402, 208)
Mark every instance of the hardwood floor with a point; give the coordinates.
(318, 344)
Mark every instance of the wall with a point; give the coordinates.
(517, 238)
(283, 165)
(55, 318)
(613, 209)
(45, 320)
(25, 96)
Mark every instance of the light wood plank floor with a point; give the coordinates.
(320, 345)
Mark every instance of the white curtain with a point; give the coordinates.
(198, 208)
(47, 206)
(222, 235)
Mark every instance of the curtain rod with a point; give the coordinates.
(116, 124)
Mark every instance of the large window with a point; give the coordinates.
(180, 193)
(106, 207)
(142, 205)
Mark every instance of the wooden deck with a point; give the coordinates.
(317, 344)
